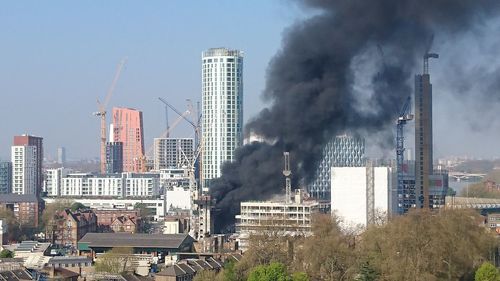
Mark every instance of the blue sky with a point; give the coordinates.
(58, 57)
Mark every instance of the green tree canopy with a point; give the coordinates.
(77, 206)
(114, 261)
(487, 272)
(272, 272)
(6, 254)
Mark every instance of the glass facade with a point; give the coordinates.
(5, 177)
(341, 151)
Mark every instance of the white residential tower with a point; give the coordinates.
(222, 95)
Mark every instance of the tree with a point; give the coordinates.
(76, 206)
(272, 272)
(229, 272)
(424, 245)
(329, 253)
(13, 226)
(300, 276)
(114, 261)
(487, 272)
(367, 272)
(50, 211)
(5, 254)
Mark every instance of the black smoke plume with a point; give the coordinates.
(311, 85)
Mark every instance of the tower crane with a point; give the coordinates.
(428, 55)
(404, 116)
(288, 181)
(101, 107)
(166, 133)
(196, 124)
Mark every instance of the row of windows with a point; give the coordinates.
(239, 60)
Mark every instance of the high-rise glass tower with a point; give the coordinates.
(114, 157)
(341, 151)
(222, 99)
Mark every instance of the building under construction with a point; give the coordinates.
(290, 216)
(431, 186)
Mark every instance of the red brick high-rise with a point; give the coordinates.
(128, 129)
(37, 142)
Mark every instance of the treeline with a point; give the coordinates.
(422, 245)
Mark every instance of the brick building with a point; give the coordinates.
(124, 224)
(68, 227)
(111, 220)
(27, 208)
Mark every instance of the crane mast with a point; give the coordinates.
(101, 107)
(404, 116)
(288, 182)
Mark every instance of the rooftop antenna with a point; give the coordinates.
(287, 172)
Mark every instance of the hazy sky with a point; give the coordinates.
(58, 57)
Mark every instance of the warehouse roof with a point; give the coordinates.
(136, 240)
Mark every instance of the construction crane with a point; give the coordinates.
(195, 124)
(101, 107)
(167, 122)
(428, 55)
(166, 134)
(404, 116)
(288, 182)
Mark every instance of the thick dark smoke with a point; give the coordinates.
(311, 85)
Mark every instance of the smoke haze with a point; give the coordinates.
(348, 68)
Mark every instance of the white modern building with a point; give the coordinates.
(293, 218)
(111, 185)
(174, 177)
(173, 152)
(24, 169)
(361, 195)
(222, 96)
(178, 197)
(53, 181)
(156, 205)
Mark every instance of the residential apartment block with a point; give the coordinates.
(222, 109)
(173, 152)
(27, 208)
(111, 185)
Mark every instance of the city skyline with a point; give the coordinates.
(80, 70)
